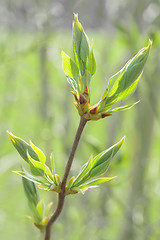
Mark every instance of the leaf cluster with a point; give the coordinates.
(95, 167)
(82, 67)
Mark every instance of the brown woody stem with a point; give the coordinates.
(61, 197)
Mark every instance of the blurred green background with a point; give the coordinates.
(36, 104)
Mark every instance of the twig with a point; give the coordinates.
(61, 198)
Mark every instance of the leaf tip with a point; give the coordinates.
(76, 17)
(150, 43)
(10, 135)
(122, 140)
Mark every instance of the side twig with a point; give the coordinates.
(61, 197)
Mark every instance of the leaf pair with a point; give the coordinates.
(36, 159)
(94, 168)
(124, 83)
(80, 70)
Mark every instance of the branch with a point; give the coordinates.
(61, 197)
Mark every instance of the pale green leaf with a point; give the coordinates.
(96, 182)
(40, 209)
(70, 181)
(49, 174)
(39, 152)
(123, 83)
(49, 209)
(72, 83)
(69, 67)
(29, 218)
(92, 63)
(122, 108)
(52, 164)
(30, 177)
(37, 168)
(43, 187)
(40, 169)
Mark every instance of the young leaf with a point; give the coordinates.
(57, 179)
(70, 182)
(69, 67)
(49, 174)
(48, 209)
(85, 169)
(43, 187)
(31, 178)
(39, 152)
(72, 83)
(40, 208)
(122, 108)
(30, 191)
(40, 169)
(92, 63)
(29, 218)
(37, 168)
(22, 147)
(125, 81)
(80, 45)
(52, 164)
(101, 162)
(96, 182)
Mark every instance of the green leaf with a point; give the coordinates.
(29, 218)
(106, 103)
(72, 83)
(49, 174)
(70, 182)
(30, 191)
(123, 107)
(84, 170)
(40, 209)
(97, 166)
(123, 83)
(57, 179)
(80, 45)
(96, 182)
(52, 164)
(39, 152)
(22, 147)
(43, 187)
(92, 63)
(37, 168)
(101, 162)
(40, 169)
(49, 209)
(69, 67)
(30, 177)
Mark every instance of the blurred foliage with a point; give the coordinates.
(34, 98)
